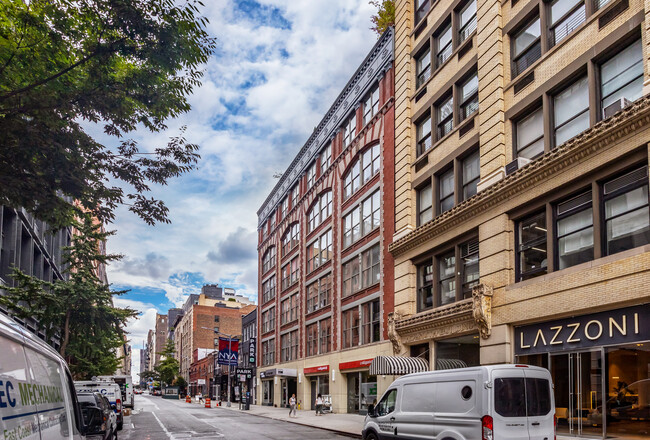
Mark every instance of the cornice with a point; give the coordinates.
(370, 71)
(442, 316)
(597, 138)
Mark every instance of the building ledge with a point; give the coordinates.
(441, 316)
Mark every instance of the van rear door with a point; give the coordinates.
(508, 404)
(539, 403)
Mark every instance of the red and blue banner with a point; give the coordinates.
(228, 352)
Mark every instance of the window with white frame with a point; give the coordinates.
(311, 175)
(349, 129)
(295, 196)
(371, 105)
(285, 207)
(325, 159)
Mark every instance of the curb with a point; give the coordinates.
(336, 431)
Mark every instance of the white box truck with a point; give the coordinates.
(126, 385)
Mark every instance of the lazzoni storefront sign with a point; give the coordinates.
(620, 326)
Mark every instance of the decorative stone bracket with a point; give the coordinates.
(394, 337)
(482, 309)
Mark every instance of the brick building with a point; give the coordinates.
(196, 328)
(160, 338)
(522, 222)
(202, 372)
(325, 274)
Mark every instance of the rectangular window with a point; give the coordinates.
(325, 336)
(532, 258)
(313, 256)
(467, 21)
(447, 278)
(349, 130)
(471, 169)
(351, 277)
(289, 346)
(469, 262)
(423, 135)
(469, 97)
(285, 311)
(268, 289)
(268, 261)
(371, 105)
(370, 322)
(295, 270)
(311, 175)
(575, 231)
(312, 339)
(422, 67)
(425, 287)
(421, 9)
(425, 205)
(285, 207)
(286, 276)
(325, 159)
(326, 247)
(566, 16)
(530, 135)
(318, 294)
(268, 320)
(268, 352)
(350, 320)
(627, 217)
(622, 76)
(526, 47)
(446, 191)
(352, 180)
(571, 111)
(444, 46)
(325, 206)
(370, 267)
(445, 115)
(295, 196)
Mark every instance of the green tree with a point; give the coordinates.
(145, 375)
(79, 311)
(168, 366)
(385, 16)
(123, 64)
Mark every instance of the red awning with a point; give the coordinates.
(317, 370)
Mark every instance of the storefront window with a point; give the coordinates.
(362, 391)
(267, 392)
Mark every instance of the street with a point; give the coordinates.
(156, 418)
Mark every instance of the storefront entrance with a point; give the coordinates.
(267, 392)
(578, 380)
(362, 391)
(319, 385)
(289, 387)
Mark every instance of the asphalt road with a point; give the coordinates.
(154, 418)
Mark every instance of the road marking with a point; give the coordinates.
(169, 435)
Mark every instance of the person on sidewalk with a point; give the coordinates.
(292, 405)
(319, 405)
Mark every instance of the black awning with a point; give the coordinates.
(397, 365)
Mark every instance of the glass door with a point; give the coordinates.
(578, 383)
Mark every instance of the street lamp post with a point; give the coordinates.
(230, 337)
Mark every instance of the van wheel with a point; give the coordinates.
(115, 438)
(371, 436)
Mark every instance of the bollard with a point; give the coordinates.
(207, 403)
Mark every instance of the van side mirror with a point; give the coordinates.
(371, 410)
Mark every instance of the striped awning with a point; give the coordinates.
(397, 365)
(449, 364)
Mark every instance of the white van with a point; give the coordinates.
(126, 385)
(513, 402)
(109, 389)
(37, 396)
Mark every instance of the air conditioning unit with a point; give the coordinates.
(614, 107)
(516, 164)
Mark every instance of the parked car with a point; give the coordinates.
(501, 401)
(98, 416)
(37, 398)
(126, 385)
(110, 390)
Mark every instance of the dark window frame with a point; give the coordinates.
(531, 53)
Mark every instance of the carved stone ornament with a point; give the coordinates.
(392, 333)
(482, 309)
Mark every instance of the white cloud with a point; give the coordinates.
(264, 91)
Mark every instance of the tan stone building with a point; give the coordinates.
(522, 220)
(160, 338)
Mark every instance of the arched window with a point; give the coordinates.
(319, 211)
(268, 261)
(361, 171)
(290, 238)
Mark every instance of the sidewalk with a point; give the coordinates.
(345, 424)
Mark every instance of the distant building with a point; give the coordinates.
(150, 349)
(124, 352)
(160, 338)
(143, 366)
(248, 351)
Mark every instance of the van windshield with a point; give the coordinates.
(519, 397)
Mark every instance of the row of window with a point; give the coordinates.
(619, 79)
(456, 183)
(361, 324)
(362, 220)
(616, 211)
(447, 115)
(539, 34)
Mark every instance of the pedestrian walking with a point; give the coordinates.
(319, 405)
(292, 406)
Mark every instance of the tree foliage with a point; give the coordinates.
(385, 16)
(122, 64)
(79, 311)
(168, 366)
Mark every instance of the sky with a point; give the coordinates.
(278, 67)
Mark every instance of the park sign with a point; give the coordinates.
(251, 351)
(228, 352)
